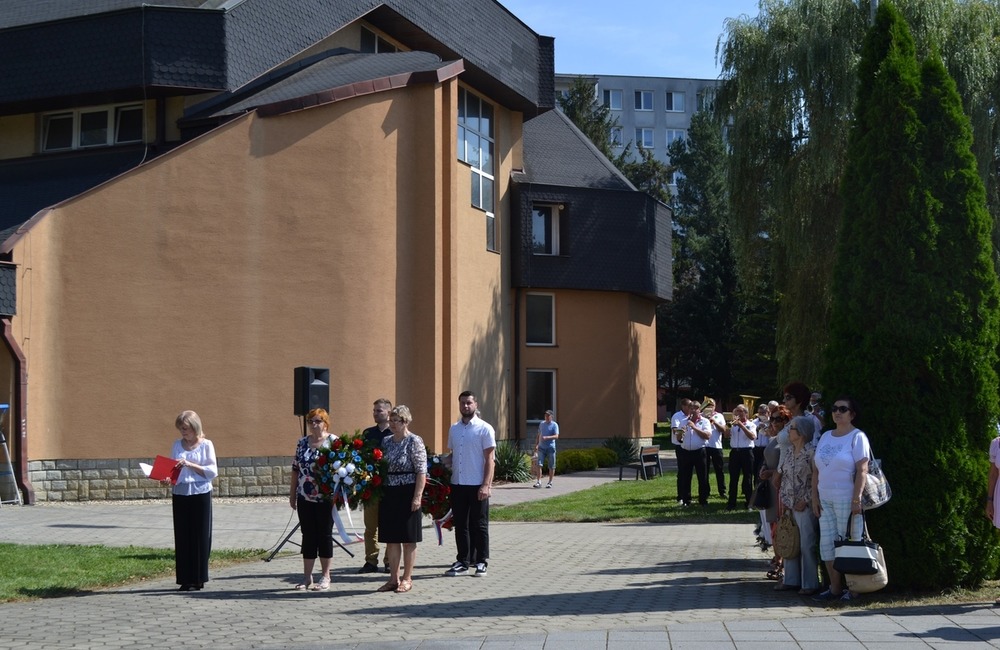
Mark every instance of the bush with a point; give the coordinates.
(626, 450)
(575, 460)
(512, 465)
(605, 457)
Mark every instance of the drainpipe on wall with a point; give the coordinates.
(20, 410)
(517, 367)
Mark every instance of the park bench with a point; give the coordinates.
(647, 466)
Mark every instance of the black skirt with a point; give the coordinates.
(397, 523)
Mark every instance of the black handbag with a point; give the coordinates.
(856, 557)
(761, 497)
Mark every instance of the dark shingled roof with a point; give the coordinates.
(56, 52)
(558, 153)
(342, 71)
(29, 185)
(17, 13)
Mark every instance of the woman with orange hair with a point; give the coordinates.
(315, 514)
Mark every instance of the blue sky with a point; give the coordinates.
(654, 38)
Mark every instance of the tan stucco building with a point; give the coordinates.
(306, 203)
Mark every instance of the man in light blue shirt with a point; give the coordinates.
(548, 432)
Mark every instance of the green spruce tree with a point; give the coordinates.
(914, 313)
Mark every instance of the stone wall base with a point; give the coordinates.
(116, 479)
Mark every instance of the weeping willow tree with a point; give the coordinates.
(788, 88)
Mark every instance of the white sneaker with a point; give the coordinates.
(480, 570)
(549, 485)
(537, 484)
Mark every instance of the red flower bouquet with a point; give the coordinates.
(350, 470)
(436, 501)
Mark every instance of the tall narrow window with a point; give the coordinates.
(545, 230)
(476, 147)
(540, 393)
(540, 319)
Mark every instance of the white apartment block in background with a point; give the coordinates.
(651, 112)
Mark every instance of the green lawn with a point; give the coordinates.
(622, 501)
(51, 570)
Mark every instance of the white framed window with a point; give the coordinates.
(476, 143)
(545, 229)
(613, 99)
(675, 134)
(540, 319)
(675, 102)
(644, 100)
(540, 393)
(617, 136)
(644, 138)
(97, 126)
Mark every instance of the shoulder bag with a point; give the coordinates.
(786, 536)
(761, 497)
(856, 557)
(876, 491)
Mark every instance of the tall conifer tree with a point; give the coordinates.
(914, 316)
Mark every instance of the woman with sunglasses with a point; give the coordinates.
(840, 468)
(315, 514)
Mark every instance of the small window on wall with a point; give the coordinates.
(540, 319)
(644, 138)
(644, 100)
(372, 43)
(617, 137)
(545, 230)
(613, 99)
(541, 393)
(675, 102)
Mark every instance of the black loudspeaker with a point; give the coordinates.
(312, 389)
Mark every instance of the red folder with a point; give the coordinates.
(165, 469)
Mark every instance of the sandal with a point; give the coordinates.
(775, 574)
(389, 586)
(404, 586)
(303, 586)
(322, 585)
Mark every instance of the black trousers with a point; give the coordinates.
(192, 537)
(688, 462)
(316, 524)
(758, 463)
(471, 518)
(718, 463)
(740, 464)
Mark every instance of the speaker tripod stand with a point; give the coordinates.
(288, 540)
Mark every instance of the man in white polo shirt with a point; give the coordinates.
(472, 443)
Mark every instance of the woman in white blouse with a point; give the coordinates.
(192, 501)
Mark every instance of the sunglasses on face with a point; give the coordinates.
(840, 409)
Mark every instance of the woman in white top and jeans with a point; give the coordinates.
(840, 467)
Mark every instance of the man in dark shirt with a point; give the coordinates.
(380, 413)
